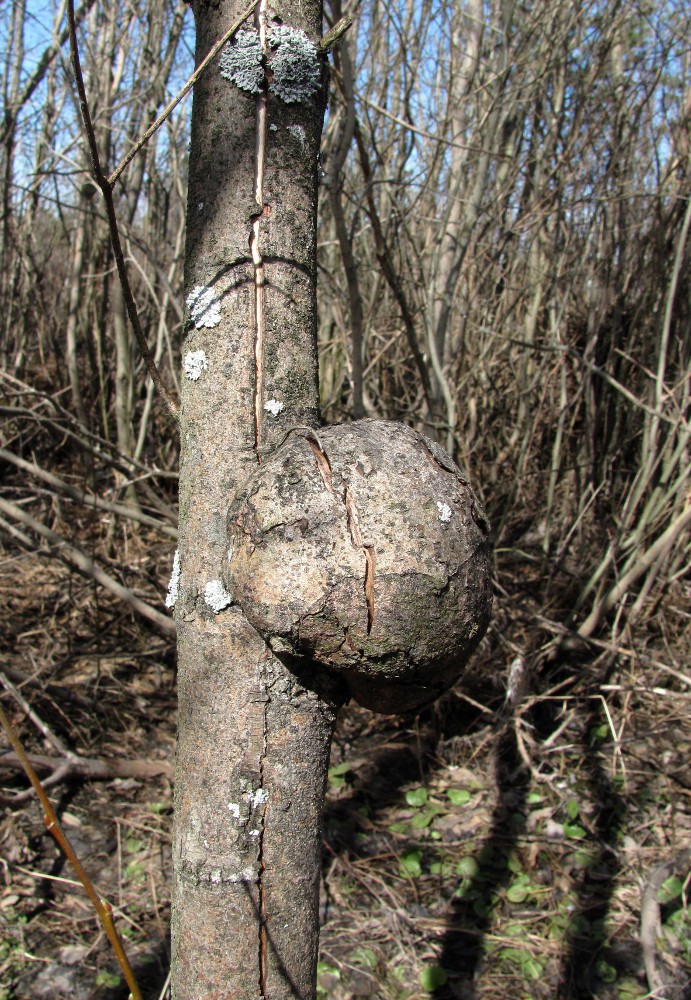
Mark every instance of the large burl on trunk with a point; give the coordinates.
(363, 549)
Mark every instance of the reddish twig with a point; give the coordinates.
(102, 906)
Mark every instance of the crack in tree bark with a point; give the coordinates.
(261, 889)
(353, 523)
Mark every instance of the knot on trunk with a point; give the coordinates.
(363, 548)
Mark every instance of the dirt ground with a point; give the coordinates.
(478, 850)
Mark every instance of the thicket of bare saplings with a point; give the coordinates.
(504, 250)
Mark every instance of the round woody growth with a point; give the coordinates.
(362, 548)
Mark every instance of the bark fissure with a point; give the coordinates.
(352, 522)
(323, 464)
(261, 889)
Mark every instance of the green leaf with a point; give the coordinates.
(514, 930)
(530, 966)
(512, 955)
(458, 796)
(606, 972)
(574, 831)
(337, 774)
(432, 977)
(341, 768)
(416, 797)
(482, 907)
(670, 889)
(410, 862)
(324, 969)
(467, 867)
(365, 957)
(443, 868)
(533, 968)
(423, 819)
(535, 798)
(572, 809)
(399, 827)
(517, 893)
(584, 859)
(110, 978)
(629, 989)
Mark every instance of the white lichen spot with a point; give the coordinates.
(298, 132)
(216, 596)
(254, 833)
(174, 584)
(241, 61)
(200, 206)
(248, 875)
(294, 64)
(274, 407)
(204, 307)
(230, 553)
(445, 512)
(215, 876)
(234, 810)
(195, 364)
(273, 127)
(259, 797)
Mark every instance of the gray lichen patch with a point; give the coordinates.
(294, 63)
(194, 364)
(204, 307)
(241, 61)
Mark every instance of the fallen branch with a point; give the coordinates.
(87, 567)
(88, 499)
(88, 768)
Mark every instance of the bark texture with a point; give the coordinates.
(253, 740)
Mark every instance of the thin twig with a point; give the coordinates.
(88, 567)
(107, 191)
(35, 717)
(89, 500)
(213, 52)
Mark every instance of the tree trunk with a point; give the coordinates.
(254, 739)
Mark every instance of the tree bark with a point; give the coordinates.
(254, 739)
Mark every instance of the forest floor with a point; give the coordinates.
(474, 851)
